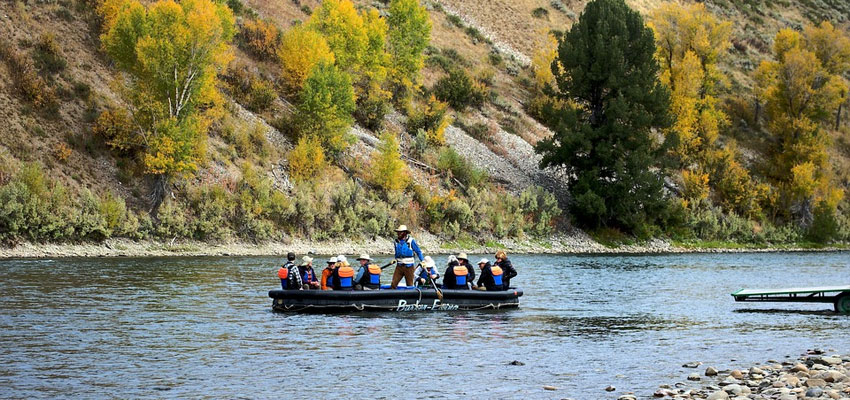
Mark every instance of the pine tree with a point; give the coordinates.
(608, 81)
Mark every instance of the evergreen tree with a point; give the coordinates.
(607, 77)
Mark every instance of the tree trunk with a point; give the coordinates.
(757, 113)
(838, 116)
(161, 187)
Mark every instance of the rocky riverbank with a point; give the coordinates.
(814, 375)
(569, 243)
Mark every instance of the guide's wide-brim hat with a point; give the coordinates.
(402, 228)
(364, 256)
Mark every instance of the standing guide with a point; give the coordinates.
(405, 249)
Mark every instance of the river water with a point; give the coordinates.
(203, 328)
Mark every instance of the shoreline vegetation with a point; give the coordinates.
(560, 244)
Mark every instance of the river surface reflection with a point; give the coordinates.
(203, 327)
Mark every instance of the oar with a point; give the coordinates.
(437, 289)
(391, 263)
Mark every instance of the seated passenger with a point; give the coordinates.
(491, 277)
(368, 276)
(288, 280)
(508, 269)
(463, 260)
(343, 277)
(308, 276)
(327, 273)
(456, 276)
(426, 273)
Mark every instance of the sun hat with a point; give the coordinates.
(332, 260)
(428, 262)
(341, 258)
(307, 259)
(402, 228)
(364, 256)
(462, 256)
(483, 261)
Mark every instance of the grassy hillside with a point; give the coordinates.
(484, 183)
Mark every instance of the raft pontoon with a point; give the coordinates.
(839, 296)
(392, 300)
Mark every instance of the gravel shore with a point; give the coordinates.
(814, 375)
(572, 243)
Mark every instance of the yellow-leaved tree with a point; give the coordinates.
(306, 159)
(171, 53)
(408, 36)
(358, 41)
(389, 172)
(801, 91)
(300, 51)
(689, 42)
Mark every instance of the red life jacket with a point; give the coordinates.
(283, 273)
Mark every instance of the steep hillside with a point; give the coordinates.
(494, 41)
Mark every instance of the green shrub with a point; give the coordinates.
(47, 55)
(34, 208)
(454, 20)
(172, 221)
(212, 206)
(449, 161)
(261, 96)
(90, 223)
(26, 81)
(825, 225)
(540, 12)
(460, 90)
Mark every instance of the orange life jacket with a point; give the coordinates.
(283, 273)
(345, 272)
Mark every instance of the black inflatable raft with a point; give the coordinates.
(392, 300)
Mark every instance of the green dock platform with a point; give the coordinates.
(839, 296)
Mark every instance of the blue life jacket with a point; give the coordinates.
(460, 275)
(346, 277)
(497, 276)
(374, 273)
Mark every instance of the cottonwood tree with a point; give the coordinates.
(690, 41)
(324, 107)
(801, 90)
(606, 74)
(389, 172)
(300, 51)
(408, 35)
(171, 53)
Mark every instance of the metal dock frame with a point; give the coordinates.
(839, 296)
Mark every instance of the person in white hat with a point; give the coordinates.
(405, 250)
(308, 276)
(327, 273)
(463, 260)
(491, 277)
(426, 273)
(368, 275)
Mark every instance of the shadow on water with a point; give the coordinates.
(606, 326)
(826, 313)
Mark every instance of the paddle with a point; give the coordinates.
(391, 263)
(437, 289)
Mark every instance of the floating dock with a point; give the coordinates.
(839, 296)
